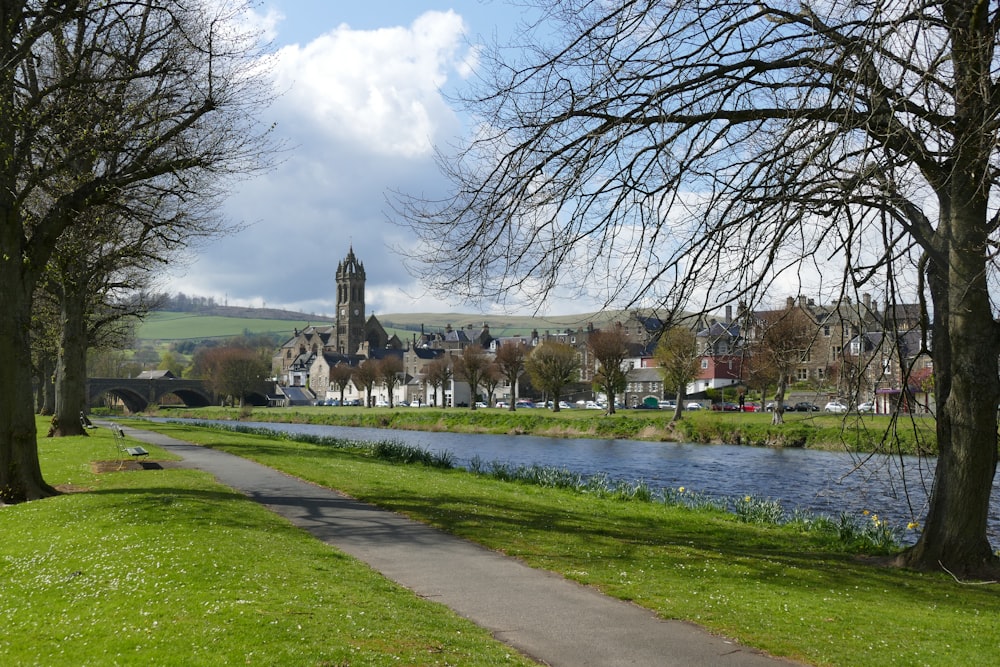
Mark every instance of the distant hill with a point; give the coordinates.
(227, 321)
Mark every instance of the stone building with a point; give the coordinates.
(353, 336)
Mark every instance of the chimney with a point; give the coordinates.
(729, 314)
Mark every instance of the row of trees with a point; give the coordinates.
(120, 123)
(551, 367)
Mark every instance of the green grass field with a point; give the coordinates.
(815, 430)
(167, 567)
(171, 326)
(164, 326)
(787, 589)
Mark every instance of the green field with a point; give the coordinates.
(171, 326)
(166, 326)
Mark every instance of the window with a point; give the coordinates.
(704, 364)
(826, 330)
(803, 374)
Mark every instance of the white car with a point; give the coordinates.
(692, 406)
(835, 406)
(867, 406)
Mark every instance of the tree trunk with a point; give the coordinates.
(778, 415)
(45, 401)
(681, 397)
(71, 367)
(20, 472)
(965, 359)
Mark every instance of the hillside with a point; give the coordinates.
(228, 321)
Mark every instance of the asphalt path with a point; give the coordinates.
(548, 618)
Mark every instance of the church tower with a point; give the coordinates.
(350, 304)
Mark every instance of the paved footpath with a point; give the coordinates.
(549, 618)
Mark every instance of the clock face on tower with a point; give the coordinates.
(343, 312)
(355, 311)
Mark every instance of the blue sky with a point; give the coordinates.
(361, 109)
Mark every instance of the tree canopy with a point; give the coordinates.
(694, 152)
(152, 103)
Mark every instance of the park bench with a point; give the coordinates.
(122, 446)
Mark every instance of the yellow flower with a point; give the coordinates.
(680, 490)
(866, 512)
(746, 499)
(913, 525)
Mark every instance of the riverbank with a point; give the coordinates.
(813, 430)
(790, 590)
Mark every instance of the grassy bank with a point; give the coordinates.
(167, 567)
(851, 432)
(786, 589)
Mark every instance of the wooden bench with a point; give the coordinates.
(123, 447)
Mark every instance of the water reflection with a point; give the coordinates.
(819, 482)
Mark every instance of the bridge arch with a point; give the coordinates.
(139, 394)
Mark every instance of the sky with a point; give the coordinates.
(360, 109)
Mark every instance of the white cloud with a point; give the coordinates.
(361, 111)
(377, 89)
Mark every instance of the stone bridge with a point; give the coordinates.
(139, 393)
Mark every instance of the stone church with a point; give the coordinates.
(352, 337)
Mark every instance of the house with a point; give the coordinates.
(642, 385)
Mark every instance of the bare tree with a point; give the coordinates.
(610, 349)
(510, 361)
(778, 341)
(340, 377)
(471, 367)
(489, 381)
(365, 375)
(239, 371)
(678, 355)
(391, 371)
(706, 150)
(181, 114)
(551, 367)
(438, 374)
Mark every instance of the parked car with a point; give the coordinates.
(563, 405)
(522, 403)
(668, 405)
(750, 406)
(725, 407)
(805, 406)
(835, 406)
(593, 405)
(867, 406)
(381, 403)
(693, 405)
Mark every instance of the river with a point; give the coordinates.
(819, 482)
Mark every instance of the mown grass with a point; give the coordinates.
(785, 589)
(850, 432)
(167, 567)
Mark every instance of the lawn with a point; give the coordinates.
(814, 430)
(167, 567)
(788, 590)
